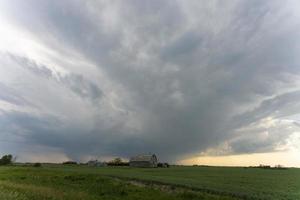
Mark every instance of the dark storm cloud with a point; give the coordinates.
(190, 75)
(49, 131)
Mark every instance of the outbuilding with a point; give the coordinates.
(146, 160)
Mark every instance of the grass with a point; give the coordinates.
(243, 182)
(81, 182)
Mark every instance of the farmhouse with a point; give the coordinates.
(149, 160)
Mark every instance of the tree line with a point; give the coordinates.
(6, 160)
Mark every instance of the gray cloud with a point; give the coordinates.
(179, 81)
(76, 82)
(9, 95)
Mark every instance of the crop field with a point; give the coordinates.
(58, 182)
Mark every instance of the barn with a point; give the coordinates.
(148, 160)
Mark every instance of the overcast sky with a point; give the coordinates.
(182, 79)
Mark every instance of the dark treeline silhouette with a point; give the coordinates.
(6, 160)
(117, 162)
(163, 165)
(69, 163)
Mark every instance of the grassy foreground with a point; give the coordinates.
(247, 183)
(80, 183)
(84, 183)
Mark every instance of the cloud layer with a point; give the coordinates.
(178, 78)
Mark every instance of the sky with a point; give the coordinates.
(195, 82)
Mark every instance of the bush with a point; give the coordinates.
(37, 164)
(163, 165)
(69, 163)
(118, 164)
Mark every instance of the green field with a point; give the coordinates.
(82, 182)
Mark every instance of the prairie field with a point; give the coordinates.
(58, 182)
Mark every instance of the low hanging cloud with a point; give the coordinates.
(174, 78)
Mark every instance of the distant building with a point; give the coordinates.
(96, 163)
(149, 160)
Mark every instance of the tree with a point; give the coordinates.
(37, 164)
(6, 159)
(69, 163)
(117, 161)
